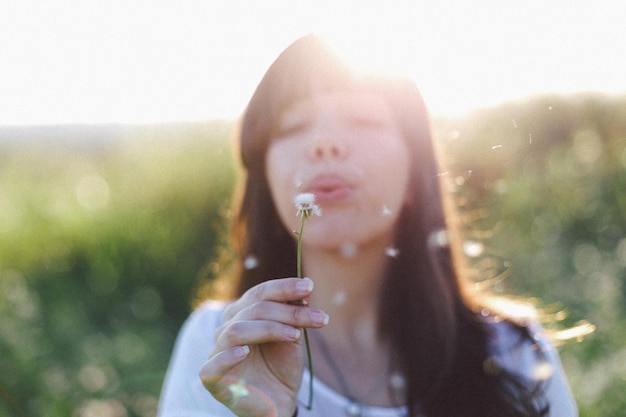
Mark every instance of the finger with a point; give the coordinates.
(254, 332)
(219, 364)
(280, 290)
(293, 315)
(288, 314)
(222, 362)
(233, 391)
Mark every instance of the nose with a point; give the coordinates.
(327, 139)
(327, 145)
(327, 150)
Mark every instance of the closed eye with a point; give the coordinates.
(291, 123)
(291, 129)
(367, 121)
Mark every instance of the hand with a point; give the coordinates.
(256, 366)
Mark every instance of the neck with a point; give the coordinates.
(347, 287)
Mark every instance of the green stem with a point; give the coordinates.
(299, 260)
(306, 335)
(308, 355)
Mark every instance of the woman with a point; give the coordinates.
(394, 327)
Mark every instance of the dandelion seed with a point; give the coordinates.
(514, 123)
(530, 138)
(353, 409)
(250, 262)
(473, 248)
(339, 298)
(496, 147)
(542, 371)
(385, 211)
(349, 250)
(397, 381)
(438, 239)
(442, 174)
(392, 252)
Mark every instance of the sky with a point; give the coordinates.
(145, 61)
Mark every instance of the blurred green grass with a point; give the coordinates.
(106, 231)
(103, 234)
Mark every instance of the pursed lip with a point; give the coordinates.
(329, 188)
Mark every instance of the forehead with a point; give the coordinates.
(350, 98)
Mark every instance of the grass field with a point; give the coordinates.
(106, 232)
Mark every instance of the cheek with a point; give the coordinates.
(274, 171)
(393, 177)
(280, 178)
(281, 168)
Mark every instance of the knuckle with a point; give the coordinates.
(296, 314)
(256, 311)
(218, 332)
(233, 333)
(285, 288)
(208, 375)
(219, 391)
(257, 292)
(229, 311)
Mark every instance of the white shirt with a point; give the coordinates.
(183, 394)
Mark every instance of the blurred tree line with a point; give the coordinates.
(546, 179)
(106, 232)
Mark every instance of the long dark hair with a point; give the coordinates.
(427, 311)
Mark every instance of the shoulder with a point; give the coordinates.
(523, 348)
(207, 316)
(515, 335)
(182, 392)
(199, 328)
(518, 348)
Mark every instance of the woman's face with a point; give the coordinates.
(346, 148)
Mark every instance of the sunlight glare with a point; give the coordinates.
(114, 61)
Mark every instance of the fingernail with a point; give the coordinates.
(305, 284)
(292, 333)
(241, 351)
(319, 317)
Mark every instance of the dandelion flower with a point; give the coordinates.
(305, 203)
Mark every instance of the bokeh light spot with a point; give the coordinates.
(92, 378)
(473, 248)
(92, 192)
(250, 262)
